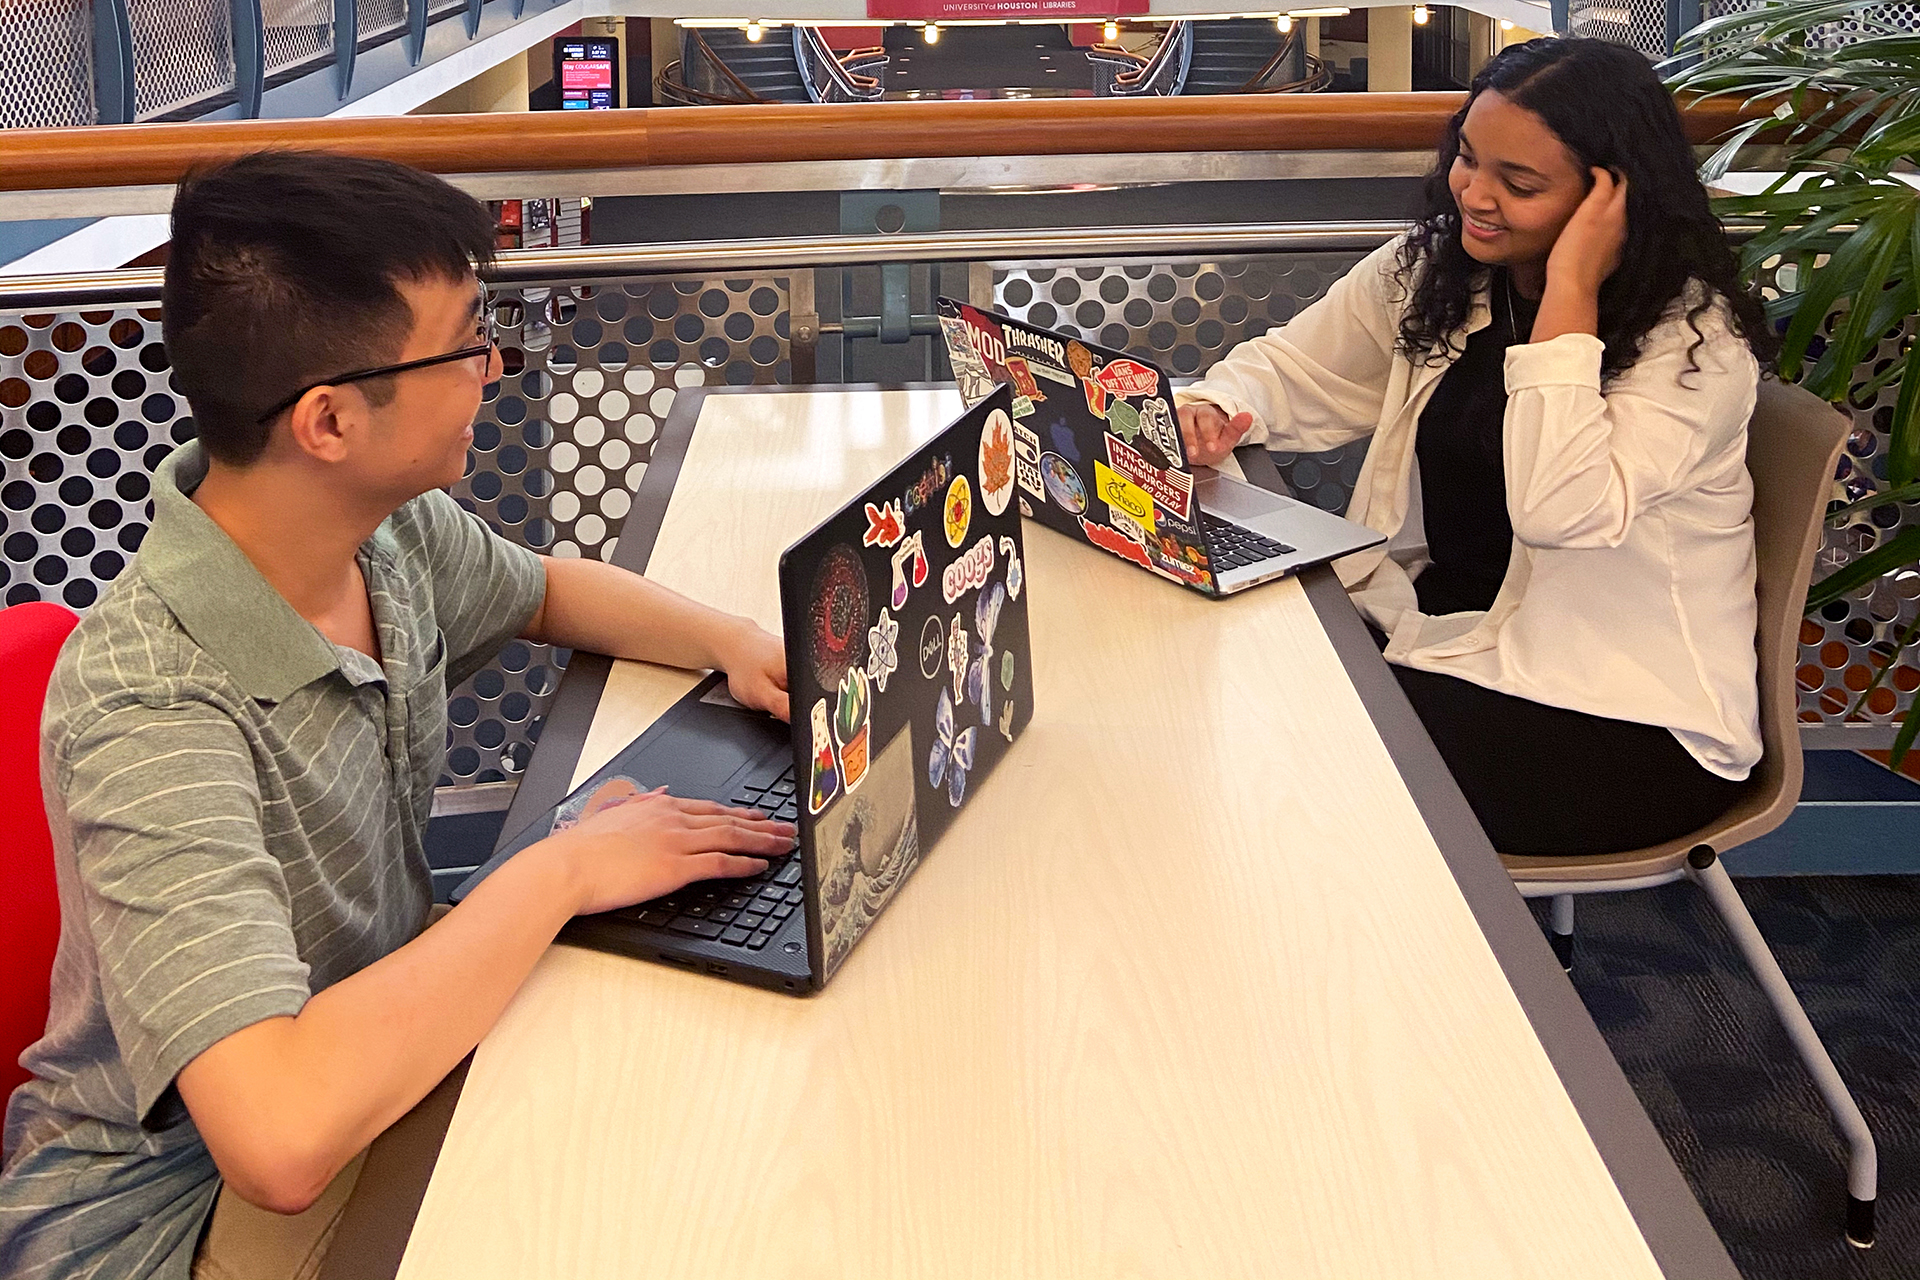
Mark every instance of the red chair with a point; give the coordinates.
(30, 638)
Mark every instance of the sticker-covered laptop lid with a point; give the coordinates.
(1097, 447)
(907, 664)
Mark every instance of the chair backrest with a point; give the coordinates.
(1793, 443)
(30, 639)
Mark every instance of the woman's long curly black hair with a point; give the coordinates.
(1607, 105)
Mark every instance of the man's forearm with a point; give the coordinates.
(597, 607)
(285, 1104)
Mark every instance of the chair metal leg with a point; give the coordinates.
(1561, 931)
(1862, 1167)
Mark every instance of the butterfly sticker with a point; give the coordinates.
(952, 753)
(986, 620)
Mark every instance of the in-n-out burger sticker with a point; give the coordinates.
(1115, 541)
(969, 571)
(1125, 377)
(1171, 489)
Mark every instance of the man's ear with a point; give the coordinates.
(323, 422)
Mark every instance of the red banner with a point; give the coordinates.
(1006, 10)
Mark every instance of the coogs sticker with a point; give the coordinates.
(837, 616)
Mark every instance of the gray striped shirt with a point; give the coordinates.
(237, 807)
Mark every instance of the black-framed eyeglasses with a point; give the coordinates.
(483, 330)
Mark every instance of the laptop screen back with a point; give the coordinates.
(907, 664)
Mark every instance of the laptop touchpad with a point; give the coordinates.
(1225, 496)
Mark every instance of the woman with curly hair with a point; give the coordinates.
(1556, 365)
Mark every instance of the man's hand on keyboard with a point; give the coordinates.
(654, 843)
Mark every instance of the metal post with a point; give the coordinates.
(416, 30)
(249, 56)
(346, 43)
(1560, 17)
(112, 62)
(1682, 17)
(473, 19)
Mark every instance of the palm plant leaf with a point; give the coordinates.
(1844, 212)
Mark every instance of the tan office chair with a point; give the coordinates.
(1792, 446)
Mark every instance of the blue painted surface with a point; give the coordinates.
(18, 239)
(1854, 818)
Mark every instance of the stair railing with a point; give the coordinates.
(828, 77)
(1318, 75)
(708, 81)
(1164, 73)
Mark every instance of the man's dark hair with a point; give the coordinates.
(283, 272)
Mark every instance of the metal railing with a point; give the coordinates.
(68, 62)
(833, 77)
(1161, 75)
(599, 341)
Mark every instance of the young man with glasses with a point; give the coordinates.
(242, 738)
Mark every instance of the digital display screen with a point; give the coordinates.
(587, 75)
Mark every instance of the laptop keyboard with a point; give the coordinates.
(1235, 546)
(746, 912)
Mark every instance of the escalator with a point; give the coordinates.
(1228, 54)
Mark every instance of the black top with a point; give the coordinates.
(1463, 481)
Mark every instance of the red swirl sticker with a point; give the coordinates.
(837, 616)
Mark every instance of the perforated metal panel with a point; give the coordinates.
(1639, 23)
(88, 409)
(295, 32)
(46, 64)
(1185, 314)
(1843, 645)
(182, 54)
(381, 18)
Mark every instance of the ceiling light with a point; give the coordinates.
(755, 31)
(1110, 32)
(1284, 23)
(1420, 15)
(931, 33)
(1505, 25)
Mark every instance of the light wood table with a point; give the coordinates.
(1214, 977)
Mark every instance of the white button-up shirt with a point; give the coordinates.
(1629, 591)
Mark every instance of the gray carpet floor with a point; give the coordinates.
(1711, 1065)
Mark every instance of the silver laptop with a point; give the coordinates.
(1097, 455)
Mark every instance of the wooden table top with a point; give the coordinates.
(1188, 989)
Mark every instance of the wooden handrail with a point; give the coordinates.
(132, 155)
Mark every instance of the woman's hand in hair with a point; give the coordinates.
(1209, 433)
(1588, 250)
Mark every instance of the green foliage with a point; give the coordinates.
(1841, 219)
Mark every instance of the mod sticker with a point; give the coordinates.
(933, 647)
(909, 567)
(1063, 483)
(996, 463)
(852, 714)
(1115, 541)
(886, 525)
(1026, 461)
(825, 783)
(1124, 377)
(1123, 496)
(837, 615)
(1171, 489)
(957, 513)
(883, 649)
(969, 571)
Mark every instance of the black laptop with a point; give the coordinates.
(1099, 457)
(905, 617)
